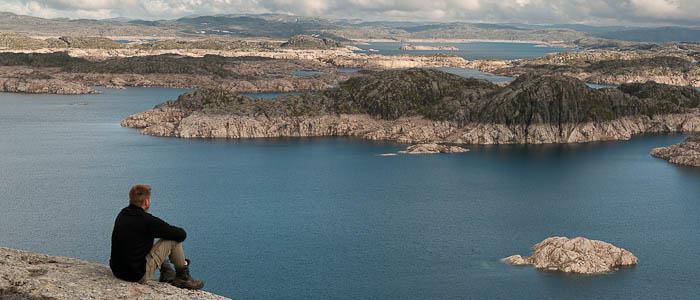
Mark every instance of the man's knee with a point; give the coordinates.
(163, 243)
(162, 249)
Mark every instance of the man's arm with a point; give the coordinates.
(162, 230)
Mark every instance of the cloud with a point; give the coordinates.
(526, 11)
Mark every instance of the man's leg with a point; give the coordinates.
(161, 250)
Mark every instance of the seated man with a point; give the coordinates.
(135, 257)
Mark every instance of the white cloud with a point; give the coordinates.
(657, 8)
(527, 11)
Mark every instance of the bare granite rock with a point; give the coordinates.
(27, 275)
(433, 148)
(686, 153)
(576, 255)
(174, 122)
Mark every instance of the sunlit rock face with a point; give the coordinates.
(686, 153)
(577, 255)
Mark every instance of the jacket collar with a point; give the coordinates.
(131, 206)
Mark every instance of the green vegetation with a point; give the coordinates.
(310, 42)
(617, 65)
(161, 64)
(441, 96)
(18, 41)
(38, 60)
(211, 44)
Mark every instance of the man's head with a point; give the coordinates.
(140, 195)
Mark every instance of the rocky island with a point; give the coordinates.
(577, 255)
(686, 153)
(28, 275)
(429, 106)
(433, 149)
(412, 47)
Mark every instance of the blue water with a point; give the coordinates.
(306, 73)
(331, 219)
(474, 73)
(600, 86)
(469, 51)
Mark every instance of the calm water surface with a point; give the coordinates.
(306, 73)
(330, 219)
(478, 50)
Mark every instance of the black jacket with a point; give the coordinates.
(132, 239)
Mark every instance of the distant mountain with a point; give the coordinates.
(577, 27)
(283, 26)
(276, 26)
(655, 35)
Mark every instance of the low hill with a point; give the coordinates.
(440, 96)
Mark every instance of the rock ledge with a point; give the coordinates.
(576, 255)
(27, 275)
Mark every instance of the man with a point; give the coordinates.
(135, 257)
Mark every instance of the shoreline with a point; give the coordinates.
(167, 121)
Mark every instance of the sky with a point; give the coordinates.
(594, 12)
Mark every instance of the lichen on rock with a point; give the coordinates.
(28, 275)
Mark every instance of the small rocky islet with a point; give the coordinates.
(430, 106)
(433, 148)
(576, 255)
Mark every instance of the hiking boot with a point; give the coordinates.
(167, 272)
(183, 279)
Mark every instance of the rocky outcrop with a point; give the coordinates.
(424, 106)
(577, 255)
(43, 86)
(27, 275)
(686, 153)
(433, 148)
(412, 47)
